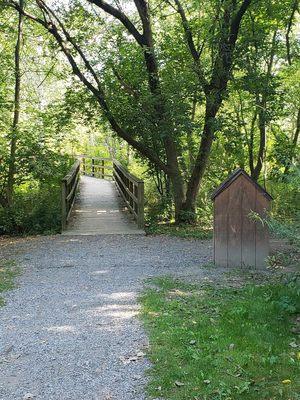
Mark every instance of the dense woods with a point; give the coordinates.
(182, 92)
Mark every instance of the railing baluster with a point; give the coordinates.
(140, 203)
(63, 205)
(93, 167)
(102, 169)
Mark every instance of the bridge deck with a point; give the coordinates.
(99, 210)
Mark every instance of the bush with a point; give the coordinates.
(36, 209)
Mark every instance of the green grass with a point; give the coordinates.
(8, 271)
(215, 344)
(183, 231)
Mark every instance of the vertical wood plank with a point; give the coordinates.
(220, 229)
(235, 224)
(140, 198)
(102, 169)
(262, 234)
(248, 225)
(63, 205)
(93, 167)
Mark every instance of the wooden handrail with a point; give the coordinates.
(96, 166)
(131, 189)
(129, 186)
(69, 185)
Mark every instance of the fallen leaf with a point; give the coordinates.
(294, 345)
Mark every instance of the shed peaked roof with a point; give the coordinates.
(233, 177)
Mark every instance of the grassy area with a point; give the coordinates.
(183, 231)
(8, 271)
(217, 344)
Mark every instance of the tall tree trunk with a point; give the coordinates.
(262, 108)
(251, 142)
(215, 92)
(295, 7)
(213, 103)
(163, 122)
(16, 116)
(255, 172)
(289, 58)
(293, 144)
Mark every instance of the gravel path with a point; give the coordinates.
(70, 331)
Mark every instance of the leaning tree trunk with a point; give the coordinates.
(255, 173)
(16, 116)
(213, 103)
(293, 145)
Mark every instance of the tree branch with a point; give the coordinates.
(191, 45)
(187, 30)
(87, 64)
(121, 17)
(289, 28)
(97, 92)
(236, 22)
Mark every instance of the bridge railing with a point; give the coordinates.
(97, 167)
(131, 189)
(129, 186)
(69, 186)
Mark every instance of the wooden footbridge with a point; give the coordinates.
(99, 196)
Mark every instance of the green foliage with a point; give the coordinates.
(59, 116)
(182, 230)
(36, 209)
(216, 344)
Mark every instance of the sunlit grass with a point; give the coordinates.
(183, 231)
(220, 344)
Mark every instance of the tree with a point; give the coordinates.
(16, 112)
(212, 81)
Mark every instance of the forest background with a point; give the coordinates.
(182, 93)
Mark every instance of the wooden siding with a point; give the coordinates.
(238, 239)
(220, 229)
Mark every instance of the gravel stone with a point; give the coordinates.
(70, 331)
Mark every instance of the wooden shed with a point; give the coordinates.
(238, 239)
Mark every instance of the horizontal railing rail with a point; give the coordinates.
(69, 186)
(98, 167)
(131, 189)
(129, 186)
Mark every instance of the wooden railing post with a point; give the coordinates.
(93, 167)
(83, 166)
(140, 197)
(102, 169)
(63, 205)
